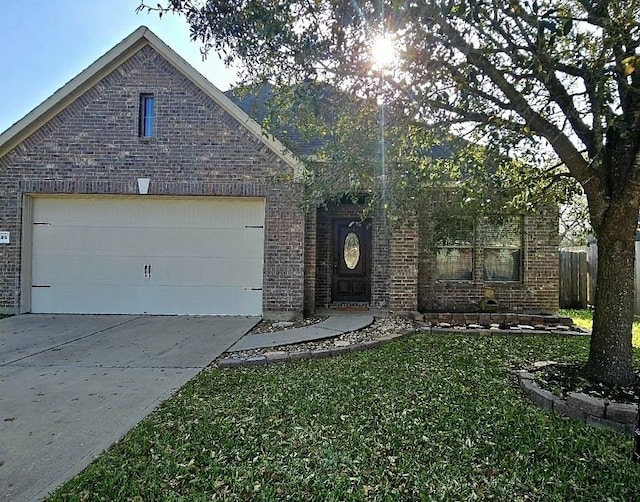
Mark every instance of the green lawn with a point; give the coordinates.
(584, 319)
(427, 417)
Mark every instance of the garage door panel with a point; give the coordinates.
(213, 300)
(113, 299)
(60, 269)
(148, 212)
(107, 299)
(219, 271)
(55, 239)
(93, 253)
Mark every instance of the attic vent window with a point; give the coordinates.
(147, 125)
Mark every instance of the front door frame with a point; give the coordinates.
(351, 285)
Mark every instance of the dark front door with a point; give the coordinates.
(351, 280)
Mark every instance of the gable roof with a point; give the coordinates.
(256, 104)
(110, 61)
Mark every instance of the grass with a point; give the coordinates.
(427, 417)
(584, 319)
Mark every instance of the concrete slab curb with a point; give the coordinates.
(580, 406)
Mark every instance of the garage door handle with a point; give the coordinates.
(147, 270)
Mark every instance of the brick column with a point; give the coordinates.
(310, 261)
(403, 269)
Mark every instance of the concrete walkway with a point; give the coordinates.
(335, 325)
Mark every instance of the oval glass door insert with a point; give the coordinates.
(351, 250)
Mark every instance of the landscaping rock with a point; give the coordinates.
(586, 405)
(230, 362)
(255, 361)
(623, 413)
(542, 364)
(416, 316)
(606, 424)
(277, 358)
(525, 375)
(543, 398)
(282, 324)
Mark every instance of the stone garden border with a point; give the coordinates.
(580, 406)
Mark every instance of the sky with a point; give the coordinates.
(45, 43)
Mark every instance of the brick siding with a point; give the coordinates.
(92, 147)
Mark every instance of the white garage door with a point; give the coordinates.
(121, 255)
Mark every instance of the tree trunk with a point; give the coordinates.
(611, 352)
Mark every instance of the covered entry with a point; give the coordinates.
(155, 255)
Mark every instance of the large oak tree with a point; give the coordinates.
(544, 80)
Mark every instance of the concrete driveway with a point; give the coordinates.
(72, 385)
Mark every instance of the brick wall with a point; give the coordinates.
(537, 291)
(92, 147)
(403, 269)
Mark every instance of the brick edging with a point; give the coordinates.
(592, 411)
(281, 356)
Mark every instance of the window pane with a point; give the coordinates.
(147, 115)
(150, 116)
(454, 264)
(503, 251)
(351, 250)
(455, 233)
(502, 264)
(507, 234)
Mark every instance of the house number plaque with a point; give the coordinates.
(4, 237)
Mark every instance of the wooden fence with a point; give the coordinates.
(578, 272)
(574, 274)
